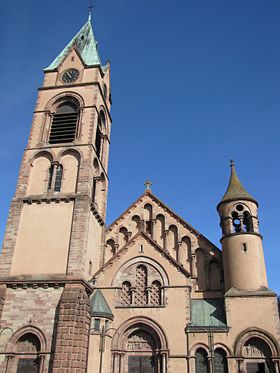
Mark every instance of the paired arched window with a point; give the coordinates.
(241, 219)
(55, 177)
(221, 365)
(64, 123)
(201, 361)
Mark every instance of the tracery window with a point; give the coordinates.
(155, 295)
(143, 288)
(126, 294)
(242, 219)
(64, 123)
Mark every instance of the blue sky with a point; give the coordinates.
(194, 83)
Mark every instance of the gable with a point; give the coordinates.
(141, 249)
(188, 248)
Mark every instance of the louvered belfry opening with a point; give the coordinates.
(64, 124)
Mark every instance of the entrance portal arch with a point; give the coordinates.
(139, 345)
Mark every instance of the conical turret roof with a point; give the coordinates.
(85, 44)
(235, 189)
(99, 305)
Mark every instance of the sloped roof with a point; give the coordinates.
(235, 189)
(99, 305)
(149, 193)
(85, 44)
(154, 244)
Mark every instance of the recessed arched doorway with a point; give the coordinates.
(257, 351)
(139, 346)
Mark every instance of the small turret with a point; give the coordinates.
(244, 267)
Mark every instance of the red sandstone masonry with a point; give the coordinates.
(72, 331)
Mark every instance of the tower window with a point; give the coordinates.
(98, 138)
(247, 221)
(55, 177)
(64, 124)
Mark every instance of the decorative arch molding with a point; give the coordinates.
(247, 334)
(69, 96)
(197, 347)
(144, 323)
(29, 329)
(74, 152)
(141, 260)
(227, 350)
(43, 153)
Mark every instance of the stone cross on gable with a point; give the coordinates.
(148, 184)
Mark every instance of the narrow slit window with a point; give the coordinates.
(58, 178)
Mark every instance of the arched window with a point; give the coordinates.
(98, 137)
(201, 361)
(64, 124)
(141, 285)
(155, 295)
(55, 177)
(247, 221)
(221, 364)
(105, 91)
(126, 294)
(28, 347)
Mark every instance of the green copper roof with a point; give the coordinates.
(235, 189)
(85, 44)
(99, 305)
(207, 312)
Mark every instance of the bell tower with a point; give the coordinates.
(56, 220)
(244, 266)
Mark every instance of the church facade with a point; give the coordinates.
(147, 294)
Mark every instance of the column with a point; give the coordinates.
(165, 234)
(9, 359)
(179, 254)
(153, 223)
(116, 363)
(276, 366)
(193, 266)
(41, 363)
(164, 362)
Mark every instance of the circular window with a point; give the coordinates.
(239, 208)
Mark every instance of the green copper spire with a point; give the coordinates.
(99, 306)
(85, 44)
(235, 189)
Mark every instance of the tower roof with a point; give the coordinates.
(235, 190)
(85, 44)
(99, 305)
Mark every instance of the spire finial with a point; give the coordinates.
(148, 184)
(90, 7)
(231, 163)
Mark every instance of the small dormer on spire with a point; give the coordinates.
(235, 190)
(85, 44)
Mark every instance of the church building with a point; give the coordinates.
(146, 294)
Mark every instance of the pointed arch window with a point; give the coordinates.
(64, 124)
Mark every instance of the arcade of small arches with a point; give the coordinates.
(140, 343)
(206, 269)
